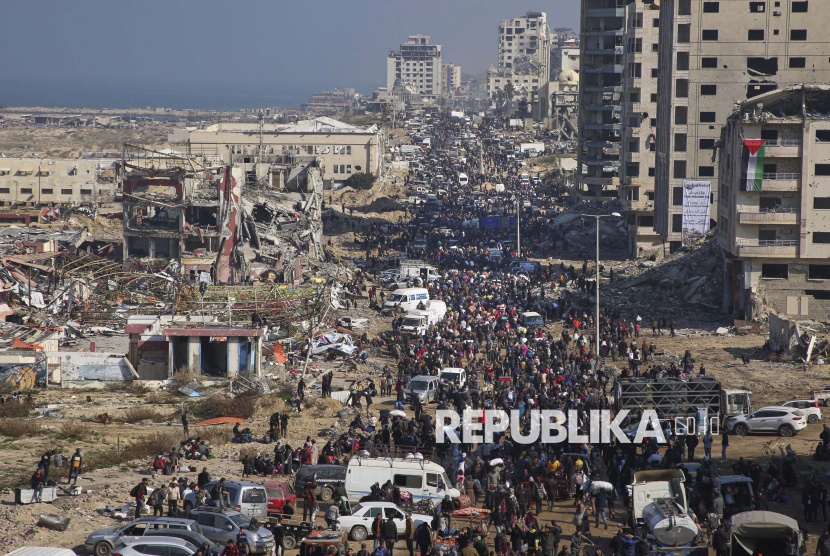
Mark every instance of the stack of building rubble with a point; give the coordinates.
(691, 277)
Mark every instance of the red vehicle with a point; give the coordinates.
(279, 495)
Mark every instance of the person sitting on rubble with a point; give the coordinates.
(256, 320)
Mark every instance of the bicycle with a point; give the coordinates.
(768, 449)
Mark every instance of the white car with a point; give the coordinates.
(359, 524)
(807, 407)
(786, 421)
(169, 546)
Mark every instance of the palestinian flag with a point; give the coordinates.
(753, 156)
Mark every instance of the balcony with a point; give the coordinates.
(605, 12)
(607, 68)
(603, 107)
(608, 89)
(601, 145)
(617, 50)
(779, 248)
(616, 125)
(770, 216)
(778, 181)
(783, 148)
(605, 32)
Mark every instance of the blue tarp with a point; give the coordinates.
(490, 223)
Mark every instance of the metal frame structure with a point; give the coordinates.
(670, 397)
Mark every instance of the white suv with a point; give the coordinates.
(807, 407)
(786, 421)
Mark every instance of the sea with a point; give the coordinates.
(140, 95)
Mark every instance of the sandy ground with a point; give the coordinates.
(772, 382)
(69, 142)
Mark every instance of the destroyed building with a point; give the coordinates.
(342, 149)
(773, 203)
(47, 182)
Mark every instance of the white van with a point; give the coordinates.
(524, 179)
(499, 188)
(455, 375)
(463, 179)
(407, 298)
(421, 478)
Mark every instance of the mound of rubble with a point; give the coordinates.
(691, 276)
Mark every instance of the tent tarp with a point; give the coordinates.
(753, 529)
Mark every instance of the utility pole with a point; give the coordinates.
(518, 228)
(596, 217)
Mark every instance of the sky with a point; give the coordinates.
(182, 50)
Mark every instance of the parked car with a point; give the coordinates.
(100, 542)
(280, 495)
(425, 387)
(221, 525)
(244, 496)
(157, 546)
(786, 421)
(359, 524)
(809, 408)
(326, 477)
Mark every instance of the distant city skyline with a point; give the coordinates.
(241, 53)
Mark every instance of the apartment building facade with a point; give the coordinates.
(523, 56)
(774, 209)
(639, 114)
(602, 31)
(417, 63)
(450, 78)
(40, 182)
(342, 149)
(713, 54)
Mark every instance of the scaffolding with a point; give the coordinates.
(277, 303)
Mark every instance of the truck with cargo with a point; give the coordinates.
(532, 149)
(759, 532)
(660, 513)
(418, 321)
(674, 398)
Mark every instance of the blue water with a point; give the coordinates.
(178, 96)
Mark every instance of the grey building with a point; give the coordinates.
(602, 29)
(712, 55)
(774, 203)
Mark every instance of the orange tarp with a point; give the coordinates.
(220, 421)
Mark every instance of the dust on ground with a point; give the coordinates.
(56, 142)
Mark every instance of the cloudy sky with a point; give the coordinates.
(293, 48)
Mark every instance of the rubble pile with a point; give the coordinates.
(692, 276)
(578, 231)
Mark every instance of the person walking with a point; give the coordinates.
(724, 444)
(390, 534)
(308, 500)
(242, 542)
(720, 542)
(173, 497)
(231, 549)
(46, 464)
(377, 531)
(157, 499)
(707, 444)
(185, 429)
(409, 535)
(75, 466)
(139, 492)
(37, 485)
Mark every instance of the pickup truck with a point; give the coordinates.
(412, 200)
